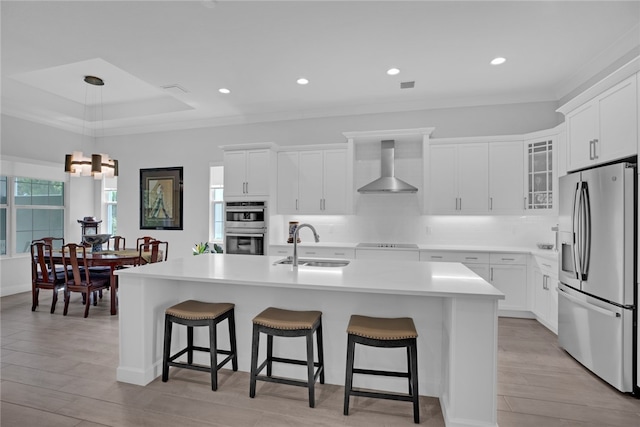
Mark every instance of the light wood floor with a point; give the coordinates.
(60, 371)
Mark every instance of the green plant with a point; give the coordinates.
(201, 248)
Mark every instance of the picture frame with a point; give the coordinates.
(161, 198)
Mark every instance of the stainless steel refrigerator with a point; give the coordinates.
(597, 293)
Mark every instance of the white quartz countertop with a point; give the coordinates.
(438, 279)
(432, 247)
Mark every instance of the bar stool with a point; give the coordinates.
(387, 333)
(287, 323)
(193, 313)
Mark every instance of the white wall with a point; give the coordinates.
(195, 149)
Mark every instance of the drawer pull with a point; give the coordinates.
(471, 257)
(436, 256)
(311, 252)
(508, 259)
(338, 253)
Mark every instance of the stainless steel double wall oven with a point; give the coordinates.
(246, 228)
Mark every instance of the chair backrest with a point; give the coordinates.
(143, 240)
(154, 251)
(72, 261)
(55, 242)
(42, 267)
(119, 243)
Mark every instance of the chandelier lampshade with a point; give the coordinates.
(97, 165)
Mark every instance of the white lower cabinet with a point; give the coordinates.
(388, 254)
(314, 252)
(545, 297)
(508, 272)
(478, 262)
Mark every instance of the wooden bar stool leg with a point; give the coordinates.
(320, 352)
(254, 360)
(190, 345)
(168, 325)
(269, 354)
(348, 382)
(232, 336)
(310, 365)
(414, 377)
(213, 352)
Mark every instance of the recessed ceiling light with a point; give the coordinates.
(302, 81)
(393, 71)
(224, 90)
(498, 61)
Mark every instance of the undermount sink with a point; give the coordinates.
(313, 262)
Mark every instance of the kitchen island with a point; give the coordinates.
(454, 310)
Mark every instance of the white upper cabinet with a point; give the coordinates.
(541, 174)
(288, 165)
(312, 182)
(459, 178)
(246, 173)
(506, 174)
(605, 128)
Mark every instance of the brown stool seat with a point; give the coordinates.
(192, 314)
(287, 323)
(384, 333)
(198, 310)
(278, 318)
(382, 328)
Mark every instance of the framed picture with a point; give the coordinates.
(161, 199)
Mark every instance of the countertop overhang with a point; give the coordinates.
(438, 279)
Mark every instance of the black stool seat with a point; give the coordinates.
(287, 323)
(387, 333)
(193, 313)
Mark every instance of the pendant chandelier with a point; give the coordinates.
(98, 165)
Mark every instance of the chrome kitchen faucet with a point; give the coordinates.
(295, 241)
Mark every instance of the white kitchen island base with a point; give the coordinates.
(455, 313)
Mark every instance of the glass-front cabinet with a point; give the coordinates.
(540, 174)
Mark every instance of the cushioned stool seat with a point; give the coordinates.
(197, 313)
(387, 333)
(287, 323)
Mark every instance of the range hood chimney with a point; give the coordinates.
(388, 183)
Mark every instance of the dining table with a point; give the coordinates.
(113, 259)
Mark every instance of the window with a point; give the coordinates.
(216, 208)
(111, 207)
(3, 215)
(39, 210)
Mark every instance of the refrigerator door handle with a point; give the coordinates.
(586, 234)
(575, 231)
(587, 305)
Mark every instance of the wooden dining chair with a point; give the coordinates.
(143, 240)
(56, 242)
(44, 273)
(154, 251)
(119, 243)
(74, 256)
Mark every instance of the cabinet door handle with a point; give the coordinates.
(460, 203)
(296, 204)
(524, 203)
(592, 149)
(490, 203)
(595, 149)
(491, 274)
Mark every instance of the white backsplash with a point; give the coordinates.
(400, 222)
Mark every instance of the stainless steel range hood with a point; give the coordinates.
(388, 183)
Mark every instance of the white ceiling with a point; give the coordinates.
(258, 49)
